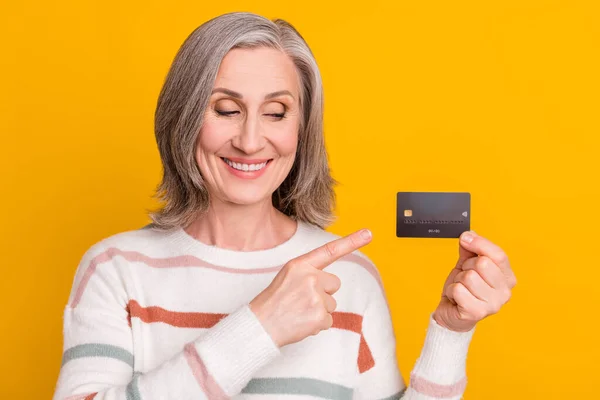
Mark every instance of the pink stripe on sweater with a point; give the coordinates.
(170, 262)
(191, 261)
(207, 383)
(87, 396)
(433, 389)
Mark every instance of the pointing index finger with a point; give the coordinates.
(331, 251)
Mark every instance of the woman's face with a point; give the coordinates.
(248, 140)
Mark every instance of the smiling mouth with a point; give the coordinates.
(246, 167)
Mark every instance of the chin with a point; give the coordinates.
(247, 197)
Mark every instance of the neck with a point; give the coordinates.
(247, 227)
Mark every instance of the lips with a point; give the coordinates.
(246, 170)
(248, 160)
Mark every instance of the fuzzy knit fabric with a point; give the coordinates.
(160, 315)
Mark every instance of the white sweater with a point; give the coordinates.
(160, 315)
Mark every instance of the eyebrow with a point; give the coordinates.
(239, 96)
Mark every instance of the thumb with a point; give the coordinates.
(463, 249)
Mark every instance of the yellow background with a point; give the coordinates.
(498, 98)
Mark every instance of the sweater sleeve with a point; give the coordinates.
(439, 372)
(98, 351)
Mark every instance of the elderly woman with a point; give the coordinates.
(236, 290)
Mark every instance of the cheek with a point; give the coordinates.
(209, 140)
(287, 145)
(286, 141)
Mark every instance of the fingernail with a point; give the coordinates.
(366, 234)
(467, 237)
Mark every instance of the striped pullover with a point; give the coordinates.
(160, 315)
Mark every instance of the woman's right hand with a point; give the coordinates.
(299, 301)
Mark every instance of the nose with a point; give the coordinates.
(250, 140)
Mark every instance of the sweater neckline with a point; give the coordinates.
(274, 256)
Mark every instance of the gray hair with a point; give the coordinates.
(307, 192)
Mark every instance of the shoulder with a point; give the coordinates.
(133, 245)
(102, 260)
(146, 239)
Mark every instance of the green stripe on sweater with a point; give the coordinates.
(306, 386)
(396, 396)
(98, 350)
(303, 386)
(133, 392)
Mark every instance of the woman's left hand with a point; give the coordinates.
(478, 286)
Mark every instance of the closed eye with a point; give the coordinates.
(226, 112)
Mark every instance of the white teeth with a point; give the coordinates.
(245, 167)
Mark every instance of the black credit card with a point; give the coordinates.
(433, 214)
